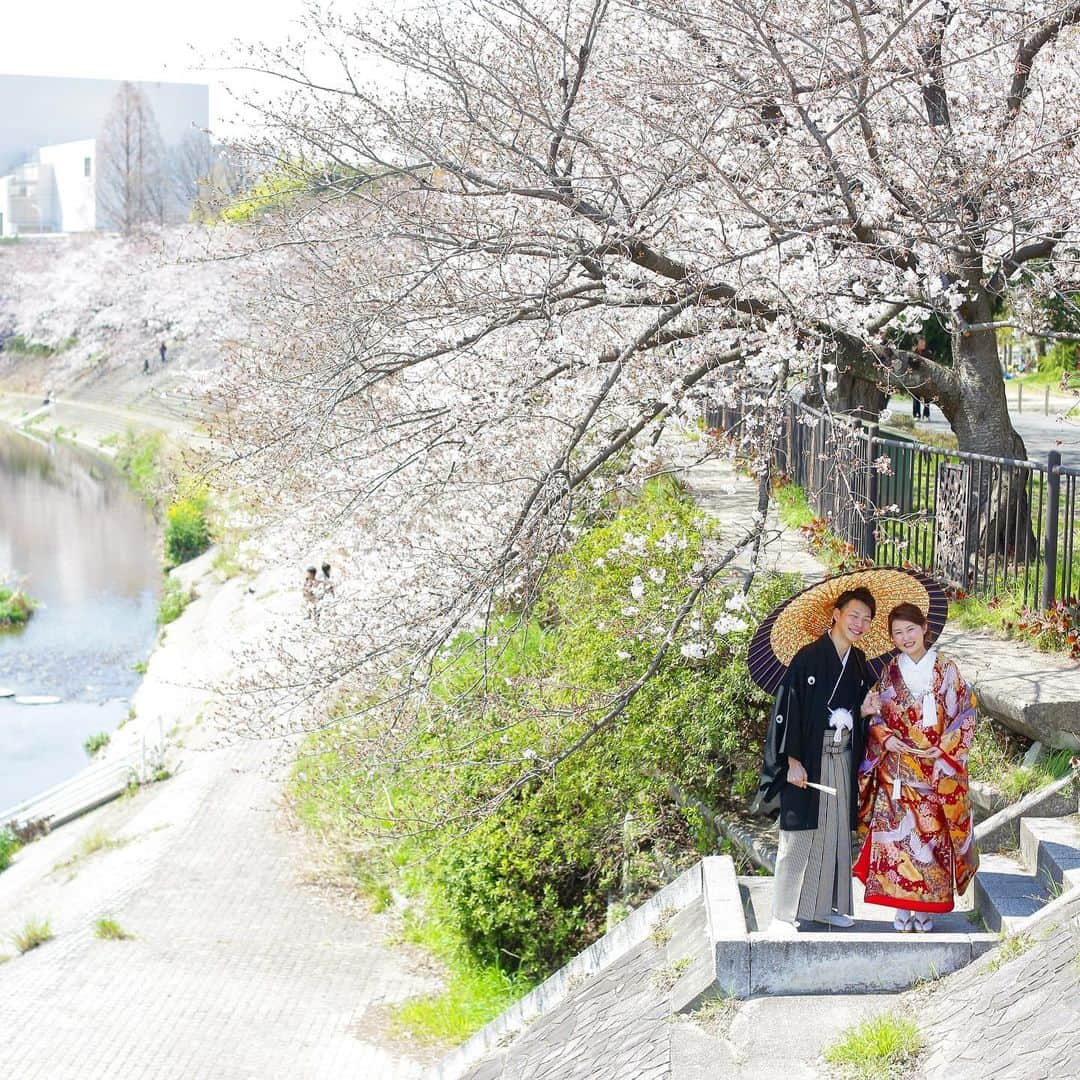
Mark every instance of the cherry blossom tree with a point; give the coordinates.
(557, 227)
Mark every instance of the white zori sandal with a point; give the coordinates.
(904, 921)
(924, 922)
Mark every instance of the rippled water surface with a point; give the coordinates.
(83, 546)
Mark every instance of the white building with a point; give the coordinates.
(48, 136)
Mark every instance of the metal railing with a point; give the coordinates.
(985, 525)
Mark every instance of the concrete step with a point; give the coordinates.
(1051, 848)
(870, 956)
(1007, 893)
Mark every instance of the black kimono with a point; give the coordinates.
(799, 720)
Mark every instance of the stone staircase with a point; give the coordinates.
(1012, 887)
(707, 931)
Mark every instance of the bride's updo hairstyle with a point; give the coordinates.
(913, 614)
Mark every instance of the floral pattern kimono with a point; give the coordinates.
(920, 833)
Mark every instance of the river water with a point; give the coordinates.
(82, 545)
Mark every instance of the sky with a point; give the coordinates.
(133, 39)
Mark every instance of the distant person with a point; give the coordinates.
(146, 365)
(325, 582)
(162, 351)
(920, 405)
(311, 592)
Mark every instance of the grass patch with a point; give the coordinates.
(906, 425)
(996, 758)
(98, 741)
(475, 992)
(15, 608)
(174, 598)
(140, 666)
(473, 996)
(228, 563)
(1010, 949)
(9, 844)
(35, 932)
(91, 844)
(880, 1048)
(664, 978)
(716, 1014)
(107, 929)
(660, 934)
(792, 505)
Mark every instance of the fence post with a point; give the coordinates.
(1020, 397)
(869, 542)
(1053, 488)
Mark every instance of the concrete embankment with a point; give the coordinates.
(238, 964)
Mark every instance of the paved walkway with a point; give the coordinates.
(238, 969)
(1037, 694)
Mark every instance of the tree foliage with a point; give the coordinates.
(590, 218)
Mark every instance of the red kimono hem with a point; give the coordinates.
(861, 870)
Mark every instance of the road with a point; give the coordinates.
(1041, 433)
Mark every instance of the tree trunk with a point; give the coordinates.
(999, 508)
(858, 391)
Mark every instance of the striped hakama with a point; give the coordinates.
(813, 866)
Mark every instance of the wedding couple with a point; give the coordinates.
(885, 754)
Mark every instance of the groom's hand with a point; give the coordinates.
(796, 773)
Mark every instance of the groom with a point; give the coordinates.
(816, 737)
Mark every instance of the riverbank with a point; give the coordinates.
(244, 963)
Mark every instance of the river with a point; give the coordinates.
(82, 545)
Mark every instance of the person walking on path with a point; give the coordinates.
(325, 581)
(919, 850)
(161, 352)
(311, 592)
(146, 364)
(819, 707)
(919, 405)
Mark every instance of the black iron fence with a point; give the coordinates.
(985, 525)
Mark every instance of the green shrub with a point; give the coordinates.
(187, 532)
(527, 886)
(17, 343)
(98, 741)
(15, 608)
(174, 598)
(9, 844)
(139, 458)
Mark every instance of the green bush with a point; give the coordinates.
(19, 344)
(139, 457)
(187, 532)
(174, 598)
(527, 886)
(98, 741)
(9, 844)
(15, 608)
